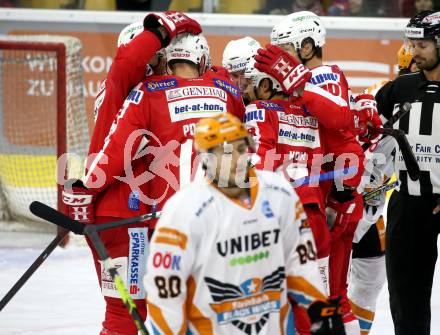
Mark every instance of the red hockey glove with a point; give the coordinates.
(278, 63)
(343, 209)
(174, 22)
(366, 115)
(326, 317)
(78, 200)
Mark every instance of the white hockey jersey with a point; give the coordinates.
(218, 267)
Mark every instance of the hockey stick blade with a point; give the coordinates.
(30, 271)
(408, 155)
(51, 215)
(380, 190)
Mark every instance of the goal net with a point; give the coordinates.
(42, 117)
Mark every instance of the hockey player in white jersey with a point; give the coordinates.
(236, 56)
(226, 253)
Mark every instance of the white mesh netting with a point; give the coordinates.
(29, 125)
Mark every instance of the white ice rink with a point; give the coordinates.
(62, 297)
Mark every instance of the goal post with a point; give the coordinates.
(42, 117)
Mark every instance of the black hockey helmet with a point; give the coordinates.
(425, 25)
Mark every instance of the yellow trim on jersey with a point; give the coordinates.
(156, 314)
(194, 315)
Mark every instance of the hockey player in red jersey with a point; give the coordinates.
(302, 35)
(236, 56)
(138, 44)
(161, 111)
(288, 140)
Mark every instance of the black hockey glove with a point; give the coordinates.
(326, 317)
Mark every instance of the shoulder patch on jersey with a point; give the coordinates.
(271, 105)
(171, 236)
(159, 85)
(226, 86)
(258, 115)
(135, 96)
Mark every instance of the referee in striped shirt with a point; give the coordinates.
(414, 209)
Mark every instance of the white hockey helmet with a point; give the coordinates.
(237, 53)
(130, 32)
(296, 27)
(255, 76)
(188, 47)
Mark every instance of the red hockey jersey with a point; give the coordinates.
(162, 112)
(287, 139)
(128, 69)
(336, 122)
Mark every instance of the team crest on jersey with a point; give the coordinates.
(227, 87)
(266, 209)
(247, 306)
(160, 85)
(271, 105)
(258, 115)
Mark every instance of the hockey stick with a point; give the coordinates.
(37, 208)
(404, 109)
(380, 190)
(30, 271)
(53, 216)
(408, 155)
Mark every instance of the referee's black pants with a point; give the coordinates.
(411, 254)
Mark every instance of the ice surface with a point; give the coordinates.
(63, 297)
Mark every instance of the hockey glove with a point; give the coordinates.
(344, 209)
(174, 22)
(326, 318)
(78, 200)
(366, 116)
(278, 63)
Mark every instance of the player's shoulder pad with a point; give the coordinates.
(136, 95)
(274, 182)
(226, 85)
(157, 83)
(270, 105)
(254, 113)
(325, 73)
(190, 202)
